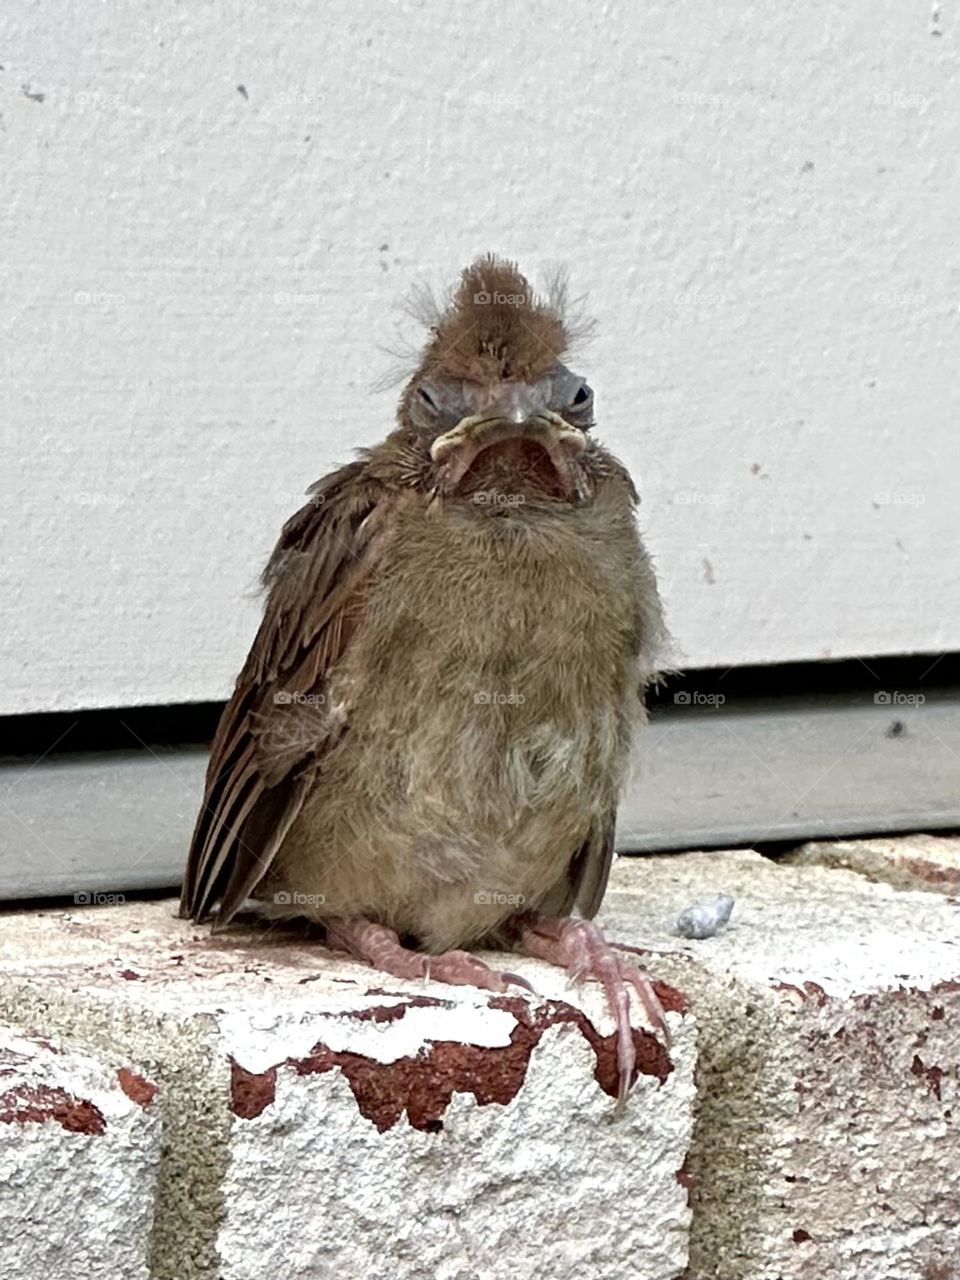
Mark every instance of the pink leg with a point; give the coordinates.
(379, 946)
(579, 947)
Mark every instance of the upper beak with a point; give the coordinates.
(509, 401)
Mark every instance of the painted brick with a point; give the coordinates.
(323, 1120)
(826, 1141)
(907, 862)
(328, 1121)
(79, 1150)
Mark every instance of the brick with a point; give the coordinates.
(908, 862)
(826, 1139)
(325, 1120)
(79, 1150)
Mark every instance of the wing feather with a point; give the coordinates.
(585, 880)
(590, 869)
(257, 778)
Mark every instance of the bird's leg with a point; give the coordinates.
(580, 947)
(380, 947)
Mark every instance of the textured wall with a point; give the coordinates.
(209, 211)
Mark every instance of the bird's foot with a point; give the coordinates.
(580, 947)
(381, 947)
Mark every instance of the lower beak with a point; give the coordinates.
(456, 450)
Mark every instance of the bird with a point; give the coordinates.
(426, 745)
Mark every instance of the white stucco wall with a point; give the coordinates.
(762, 203)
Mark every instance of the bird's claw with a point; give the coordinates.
(380, 946)
(460, 968)
(580, 947)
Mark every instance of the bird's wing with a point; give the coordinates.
(590, 869)
(277, 725)
(585, 879)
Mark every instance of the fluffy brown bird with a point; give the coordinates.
(425, 747)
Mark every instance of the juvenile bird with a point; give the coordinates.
(425, 746)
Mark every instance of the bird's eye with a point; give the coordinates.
(583, 394)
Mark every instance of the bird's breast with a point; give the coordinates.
(500, 659)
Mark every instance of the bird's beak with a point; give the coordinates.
(506, 412)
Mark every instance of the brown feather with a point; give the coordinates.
(264, 830)
(254, 784)
(590, 870)
(496, 327)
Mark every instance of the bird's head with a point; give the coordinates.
(492, 400)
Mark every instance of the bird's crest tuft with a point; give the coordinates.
(496, 327)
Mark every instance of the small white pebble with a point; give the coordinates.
(705, 918)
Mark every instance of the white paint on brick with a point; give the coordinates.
(72, 1203)
(198, 282)
(252, 1040)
